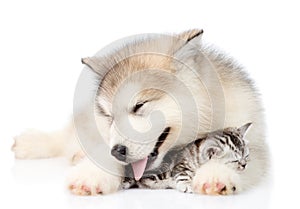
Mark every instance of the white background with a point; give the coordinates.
(42, 42)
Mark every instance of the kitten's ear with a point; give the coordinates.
(244, 129)
(211, 152)
(94, 64)
(209, 149)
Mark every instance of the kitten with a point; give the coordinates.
(178, 168)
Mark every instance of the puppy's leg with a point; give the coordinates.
(33, 144)
(214, 178)
(88, 179)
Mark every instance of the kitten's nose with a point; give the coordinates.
(119, 151)
(242, 166)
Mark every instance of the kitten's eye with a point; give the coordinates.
(247, 158)
(152, 178)
(138, 106)
(234, 161)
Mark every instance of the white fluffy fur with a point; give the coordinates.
(241, 105)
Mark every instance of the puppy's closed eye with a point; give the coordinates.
(138, 106)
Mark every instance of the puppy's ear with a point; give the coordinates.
(189, 42)
(94, 63)
(193, 36)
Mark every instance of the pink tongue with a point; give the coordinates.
(139, 168)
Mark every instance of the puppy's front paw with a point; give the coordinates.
(87, 179)
(216, 179)
(216, 187)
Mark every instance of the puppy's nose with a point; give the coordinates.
(119, 151)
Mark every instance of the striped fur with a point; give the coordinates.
(227, 146)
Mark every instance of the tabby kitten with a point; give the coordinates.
(178, 168)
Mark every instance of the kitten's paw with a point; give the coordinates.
(33, 144)
(87, 179)
(216, 179)
(184, 187)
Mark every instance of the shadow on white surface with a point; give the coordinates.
(41, 183)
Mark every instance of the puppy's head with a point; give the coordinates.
(140, 101)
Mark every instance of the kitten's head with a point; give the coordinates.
(228, 146)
